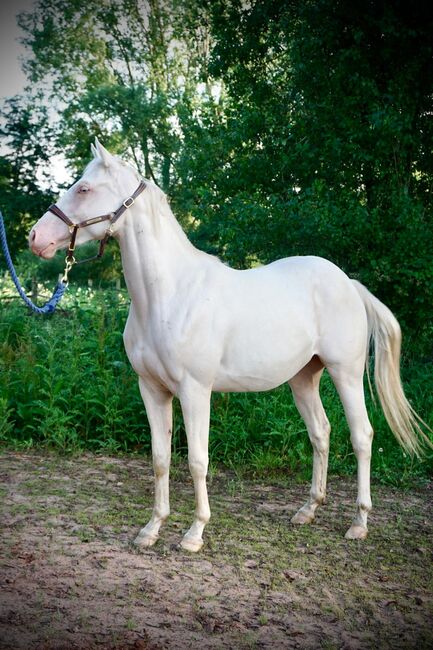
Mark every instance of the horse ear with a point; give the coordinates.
(93, 150)
(103, 153)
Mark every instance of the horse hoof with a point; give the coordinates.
(356, 532)
(302, 518)
(190, 544)
(145, 540)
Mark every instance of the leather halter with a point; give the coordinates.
(112, 217)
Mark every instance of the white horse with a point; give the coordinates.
(196, 325)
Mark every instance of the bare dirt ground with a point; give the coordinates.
(71, 578)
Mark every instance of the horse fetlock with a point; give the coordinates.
(358, 529)
(316, 499)
(364, 506)
(150, 533)
(160, 514)
(202, 517)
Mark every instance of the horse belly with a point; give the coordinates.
(266, 352)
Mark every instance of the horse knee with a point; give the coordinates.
(161, 465)
(197, 467)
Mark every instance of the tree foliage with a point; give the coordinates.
(25, 132)
(116, 69)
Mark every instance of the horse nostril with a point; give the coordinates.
(32, 237)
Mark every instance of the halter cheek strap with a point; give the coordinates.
(112, 217)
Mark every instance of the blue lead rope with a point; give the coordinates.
(60, 289)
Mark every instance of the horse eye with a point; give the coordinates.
(83, 189)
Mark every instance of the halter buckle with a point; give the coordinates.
(128, 202)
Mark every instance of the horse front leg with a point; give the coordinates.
(195, 402)
(158, 405)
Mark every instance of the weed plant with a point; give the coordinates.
(66, 383)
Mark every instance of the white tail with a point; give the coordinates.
(385, 332)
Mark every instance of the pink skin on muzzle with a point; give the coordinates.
(47, 236)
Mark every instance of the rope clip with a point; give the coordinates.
(70, 261)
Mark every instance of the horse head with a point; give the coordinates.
(105, 183)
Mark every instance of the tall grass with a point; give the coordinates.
(66, 383)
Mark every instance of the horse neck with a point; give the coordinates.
(156, 255)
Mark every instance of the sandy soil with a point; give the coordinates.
(71, 579)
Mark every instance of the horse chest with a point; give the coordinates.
(145, 357)
(156, 348)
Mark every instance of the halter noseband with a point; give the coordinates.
(112, 217)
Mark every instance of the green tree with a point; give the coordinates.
(117, 70)
(23, 196)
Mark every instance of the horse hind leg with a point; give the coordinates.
(305, 389)
(348, 381)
